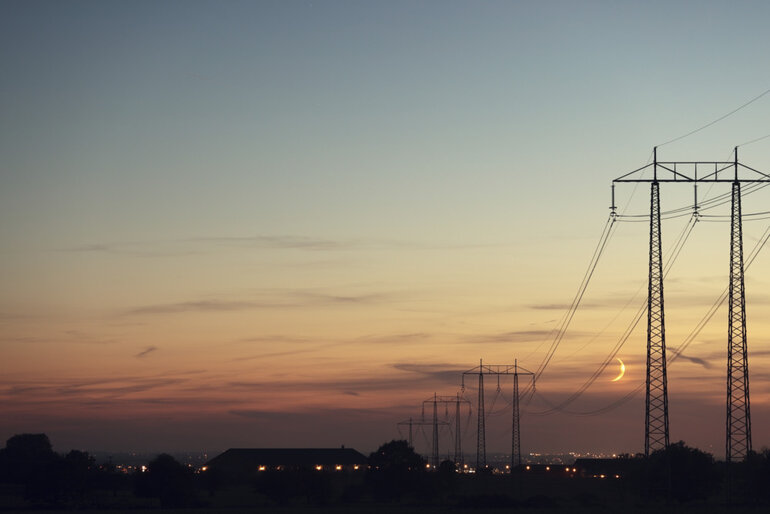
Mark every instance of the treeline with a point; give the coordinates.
(32, 475)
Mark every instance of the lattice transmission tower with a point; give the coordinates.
(422, 423)
(498, 369)
(738, 423)
(446, 400)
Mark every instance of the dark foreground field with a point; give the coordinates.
(678, 480)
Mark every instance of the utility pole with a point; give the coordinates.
(738, 423)
(497, 369)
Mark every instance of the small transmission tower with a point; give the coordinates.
(412, 423)
(446, 400)
(498, 369)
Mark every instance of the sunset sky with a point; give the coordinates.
(288, 223)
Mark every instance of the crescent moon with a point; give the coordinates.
(622, 371)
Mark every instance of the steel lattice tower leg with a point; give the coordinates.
(516, 430)
(481, 442)
(656, 404)
(458, 437)
(738, 444)
(410, 433)
(434, 456)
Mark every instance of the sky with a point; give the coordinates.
(289, 223)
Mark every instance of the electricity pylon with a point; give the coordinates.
(435, 400)
(411, 422)
(497, 369)
(738, 423)
(516, 424)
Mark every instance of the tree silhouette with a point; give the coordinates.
(29, 459)
(167, 480)
(395, 470)
(396, 456)
(693, 473)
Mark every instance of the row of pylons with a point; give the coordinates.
(738, 443)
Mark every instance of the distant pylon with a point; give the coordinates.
(656, 398)
(458, 438)
(481, 443)
(434, 456)
(738, 433)
(410, 433)
(516, 425)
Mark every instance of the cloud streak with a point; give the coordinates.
(516, 336)
(277, 300)
(147, 351)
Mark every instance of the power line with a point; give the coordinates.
(707, 125)
(754, 140)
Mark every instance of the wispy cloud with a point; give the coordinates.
(147, 351)
(448, 373)
(566, 306)
(87, 390)
(521, 336)
(394, 338)
(277, 241)
(269, 300)
(198, 245)
(134, 249)
(695, 360)
(69, 336)
(195, 306)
